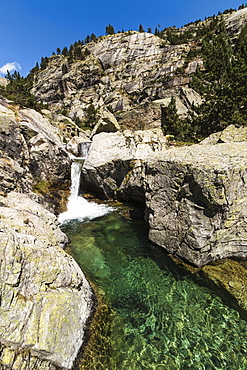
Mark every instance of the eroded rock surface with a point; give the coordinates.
(196, 201)
(45, 298)
(230, 134)
(195, 196)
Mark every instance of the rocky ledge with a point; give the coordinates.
(45, 298)
(195, 196)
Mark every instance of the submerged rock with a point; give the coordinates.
(45, 298)
(230, 277)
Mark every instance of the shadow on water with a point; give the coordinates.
(149, 316)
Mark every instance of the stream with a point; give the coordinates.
(155, 318)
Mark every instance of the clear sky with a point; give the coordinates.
(32, 29)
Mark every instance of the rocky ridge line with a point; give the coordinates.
(132, 74)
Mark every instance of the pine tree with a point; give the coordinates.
(65, 51)
(58, 50)
(218, 54)
(93, 37)
(109, 30)
(91, 115)
(44, 62)
(64, 68)
(170, 118)
(141, 29)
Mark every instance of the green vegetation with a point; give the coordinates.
(173, 125)
(91, 115)
(42, 187)
(222, 84)
(109, 30)
(18, 90)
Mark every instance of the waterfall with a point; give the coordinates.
(76, 167)
(78, 207)
(84, 148)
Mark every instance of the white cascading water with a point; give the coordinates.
(78, 207)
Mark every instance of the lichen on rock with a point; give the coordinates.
(45, 298)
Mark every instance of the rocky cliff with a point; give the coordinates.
(132, 74)
(31, 149)
(126, 72)
(45, 298)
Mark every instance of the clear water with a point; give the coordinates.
(158, 319)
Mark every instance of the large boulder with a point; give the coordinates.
(45, 298)
(196, 201)
(113, 157)
(231, 134)
(106, 123)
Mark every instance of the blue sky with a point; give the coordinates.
(32, 29)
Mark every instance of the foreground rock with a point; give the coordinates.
(196, 201)
(196, 197)
(45, 298)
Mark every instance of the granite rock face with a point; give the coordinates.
(230, 134)
(127, 73)
(124, 72)
(195, 196)
(45, 298)
(196, 201)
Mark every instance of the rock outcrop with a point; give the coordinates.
(231, 134)
(45, 298)
(195, 196)
(32, 153)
